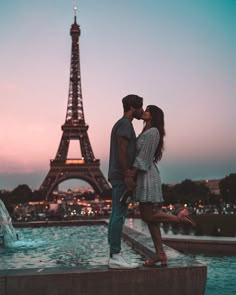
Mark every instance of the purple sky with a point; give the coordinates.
(179, 55)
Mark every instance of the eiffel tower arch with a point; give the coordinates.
(87, 167)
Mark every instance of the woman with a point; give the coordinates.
(149, 150)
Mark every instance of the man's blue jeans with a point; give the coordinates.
(117, 217)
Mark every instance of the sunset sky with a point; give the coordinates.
(177, 54)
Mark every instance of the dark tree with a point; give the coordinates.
(228, 188)
(21, 194)
(169, 194)
(187, 191)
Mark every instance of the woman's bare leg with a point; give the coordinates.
(156, 236)
(147, 210)
(149, 215)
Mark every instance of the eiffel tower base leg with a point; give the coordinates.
(89, 172)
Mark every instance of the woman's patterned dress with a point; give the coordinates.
(148, 187)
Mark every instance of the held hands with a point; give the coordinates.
(130, 178)
(130, 183)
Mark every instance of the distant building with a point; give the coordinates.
(212, 184)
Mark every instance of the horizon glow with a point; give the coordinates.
(179, 55)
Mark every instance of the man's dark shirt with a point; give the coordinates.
(123, 128)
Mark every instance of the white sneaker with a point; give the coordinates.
(117, 261)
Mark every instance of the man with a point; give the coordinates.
(122, 154)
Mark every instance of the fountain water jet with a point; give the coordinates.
(7, 229)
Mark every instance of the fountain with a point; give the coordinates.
(9, 234)
(53, 256)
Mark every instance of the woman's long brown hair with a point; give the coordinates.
(158, 122)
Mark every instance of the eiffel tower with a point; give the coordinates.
(87, 167)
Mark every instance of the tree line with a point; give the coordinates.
(187, 191)
(190, 192)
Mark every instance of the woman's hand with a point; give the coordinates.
(130, 183)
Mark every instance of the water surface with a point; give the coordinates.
(60, 246)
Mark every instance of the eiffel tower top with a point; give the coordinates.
(75, 111)
(75, 28)
(75, 13)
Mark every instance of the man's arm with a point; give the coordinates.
(123, 155)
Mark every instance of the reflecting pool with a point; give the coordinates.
(86, 245)
(221, 270)
(60, 246)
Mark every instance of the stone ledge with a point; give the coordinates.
(144, 245)
(215, 247)
(59, 223)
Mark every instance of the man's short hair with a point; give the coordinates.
(132, 100)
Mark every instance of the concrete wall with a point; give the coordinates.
(101, 281)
